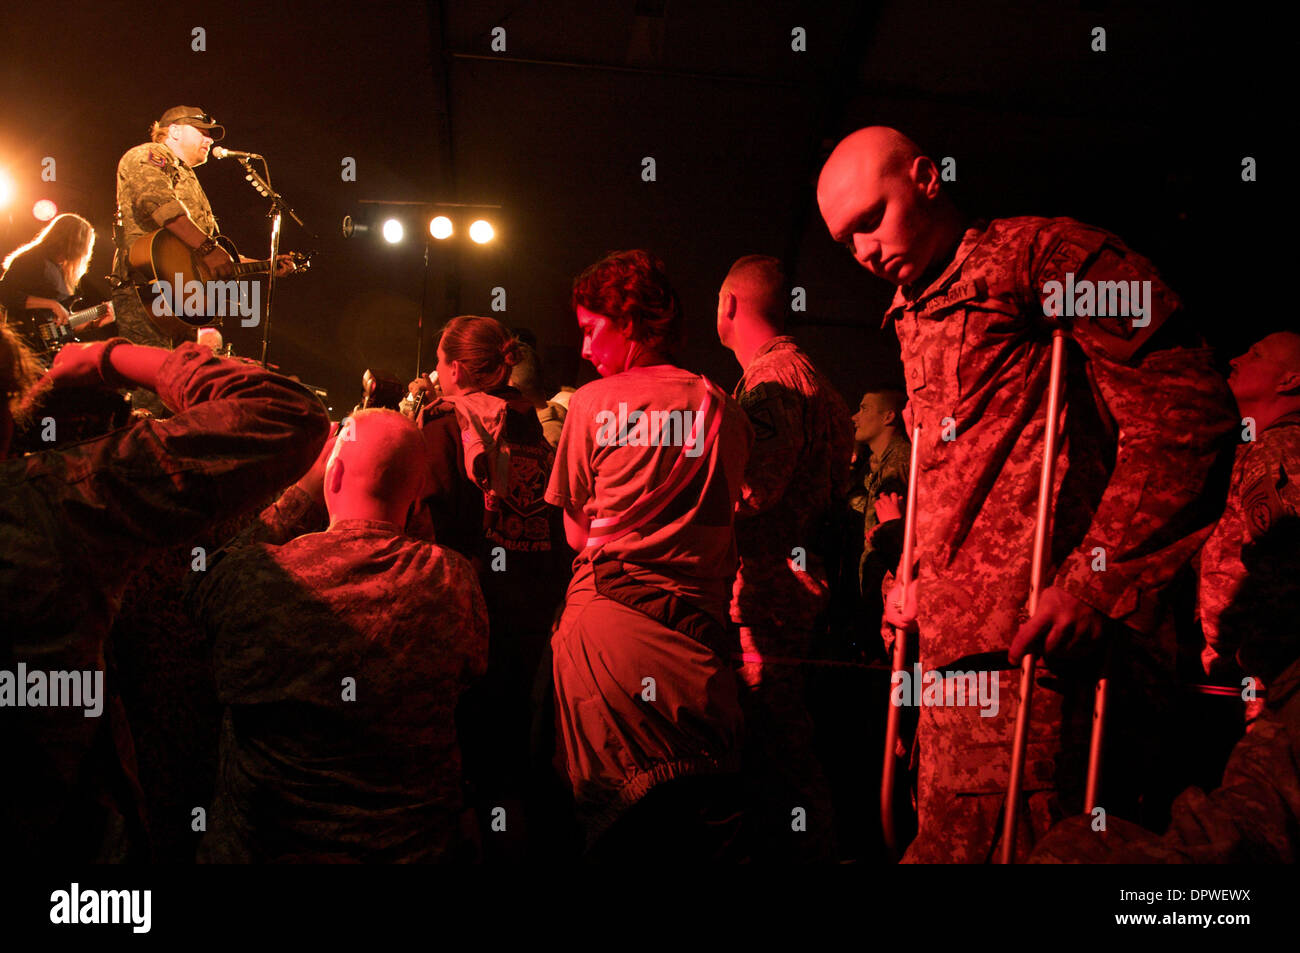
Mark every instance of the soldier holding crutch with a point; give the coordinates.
(1143, 418)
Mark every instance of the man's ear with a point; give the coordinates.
(1288, 384)
(926, 176)
(334, 475)
(727, 304)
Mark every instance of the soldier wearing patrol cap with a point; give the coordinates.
(157, 188)
(1146, 423)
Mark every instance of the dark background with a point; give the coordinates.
(1145, 139)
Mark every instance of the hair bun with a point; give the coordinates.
(510, 352)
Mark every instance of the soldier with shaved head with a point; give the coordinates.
(340, 657)
(796, 475)
(1146, 418)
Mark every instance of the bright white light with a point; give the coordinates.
(481, 232)
(6, 188)
(393, 231)
(44, 210)
(440, 227)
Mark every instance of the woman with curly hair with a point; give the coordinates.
(648, 472)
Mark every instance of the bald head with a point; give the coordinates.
(880, 196)
(1266, 379)
(377, 467)
(876, 149)
(1284, 349)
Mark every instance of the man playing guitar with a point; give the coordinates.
(157, 187)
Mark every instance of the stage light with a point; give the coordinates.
(44, 210)
(393, 231)
(351, 228)
(481, 232)
(6, 188)
(440, 227)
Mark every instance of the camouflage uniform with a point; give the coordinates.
(153, 187)
(306, 773)
(1143, 428)
(797, 472)
(1252, 817)
(1265, 488)
(75, 524)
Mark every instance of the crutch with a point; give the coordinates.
(1098, 739)
(900, 656)
(1042, 533)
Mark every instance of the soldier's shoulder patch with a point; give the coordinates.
(157, 155)
(767, 405)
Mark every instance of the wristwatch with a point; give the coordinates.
(207, 248)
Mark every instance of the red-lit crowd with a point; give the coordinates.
(491, 624)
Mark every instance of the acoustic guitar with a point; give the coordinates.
(158, 257)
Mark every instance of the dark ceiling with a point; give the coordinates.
(1145, 138)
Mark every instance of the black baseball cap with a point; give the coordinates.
(193, 116)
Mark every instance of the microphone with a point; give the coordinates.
(221, 152)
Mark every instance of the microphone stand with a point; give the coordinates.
(419, 323)
(276, 213)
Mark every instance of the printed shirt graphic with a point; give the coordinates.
(976, 353)
(799, 466)
(689, 547)
(466, 512)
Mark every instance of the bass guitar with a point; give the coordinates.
(46, 336)
(156, 259)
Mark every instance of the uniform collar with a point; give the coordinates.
(897, 445)
(771, 344)
(354, 525)
(906, 294)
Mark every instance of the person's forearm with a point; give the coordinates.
(34, 302)
(576, 527)
(138, 365)
(187, 231)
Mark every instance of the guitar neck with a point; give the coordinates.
(252, 268)
(85, 316)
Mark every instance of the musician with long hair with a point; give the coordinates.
(44, 273)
